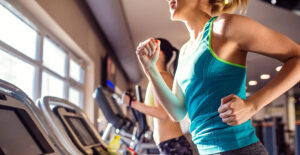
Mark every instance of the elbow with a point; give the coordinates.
(296, 55)
(178, 117)
(293, 55)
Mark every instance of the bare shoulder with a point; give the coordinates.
(230, 25)
(232, 19)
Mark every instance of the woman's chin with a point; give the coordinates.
(174, 18)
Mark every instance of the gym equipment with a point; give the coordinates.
(113, 114)
(258, 125)
(132, 136)
(143, 126)
(23, 130)
(273, 136)
(269, 135)
(72, 127)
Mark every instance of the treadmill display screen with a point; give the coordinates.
(81, 130)
(14, 137)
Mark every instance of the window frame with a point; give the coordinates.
(38, 61)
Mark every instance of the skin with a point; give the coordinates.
(164, 127)
(232, 36)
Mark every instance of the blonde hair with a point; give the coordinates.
(228, 6)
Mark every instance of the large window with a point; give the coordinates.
(34, 62)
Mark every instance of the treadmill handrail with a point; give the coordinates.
(65, 103)
(57, 126)
(143, 126)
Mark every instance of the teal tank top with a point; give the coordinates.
(205, 79)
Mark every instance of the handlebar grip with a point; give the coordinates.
(138, 93)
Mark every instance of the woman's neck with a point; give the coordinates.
(195, 22)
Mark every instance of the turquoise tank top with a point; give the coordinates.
(205, 79)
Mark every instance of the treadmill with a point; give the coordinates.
(112, 112)
(22, 128)
(117, 120)
(72, 127)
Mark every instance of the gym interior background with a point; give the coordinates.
(66, 48)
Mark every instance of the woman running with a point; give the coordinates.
(210, 79)
(167, 133)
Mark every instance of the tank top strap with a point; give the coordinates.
(207, 29)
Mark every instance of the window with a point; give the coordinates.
(52, 86)
(75, 97)
(75, 71)
(17, 34)
(34, 62)
(16, 72)
(54, 57)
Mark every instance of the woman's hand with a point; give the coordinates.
(125, 98)
(235, 111)
(147, 53)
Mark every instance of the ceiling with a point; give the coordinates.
(150, 18)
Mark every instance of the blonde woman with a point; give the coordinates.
(210, 79)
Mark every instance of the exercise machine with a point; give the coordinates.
(72, 127)
(132, 136)
(23, 130)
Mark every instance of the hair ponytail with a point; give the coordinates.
(172, 64)
(228, 6)
(171, 55)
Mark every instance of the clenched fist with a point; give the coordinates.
(147, 53)
(234, 110)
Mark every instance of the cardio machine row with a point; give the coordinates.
(56, 126)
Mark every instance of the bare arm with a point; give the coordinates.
(168, 79)
(157, 112)
(147, 53)
(252, 36)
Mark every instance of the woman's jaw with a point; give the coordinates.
(183, 10)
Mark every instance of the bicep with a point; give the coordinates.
(253, 36)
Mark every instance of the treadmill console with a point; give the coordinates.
(79, 131)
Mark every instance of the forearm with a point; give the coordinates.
(287, 77)
(148, 110)
(168, 100)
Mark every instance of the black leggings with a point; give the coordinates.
(175, 146)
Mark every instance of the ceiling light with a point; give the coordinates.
(252, 83)
(247, 94)
(278, 68)
(273, 2)
(265, 76)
